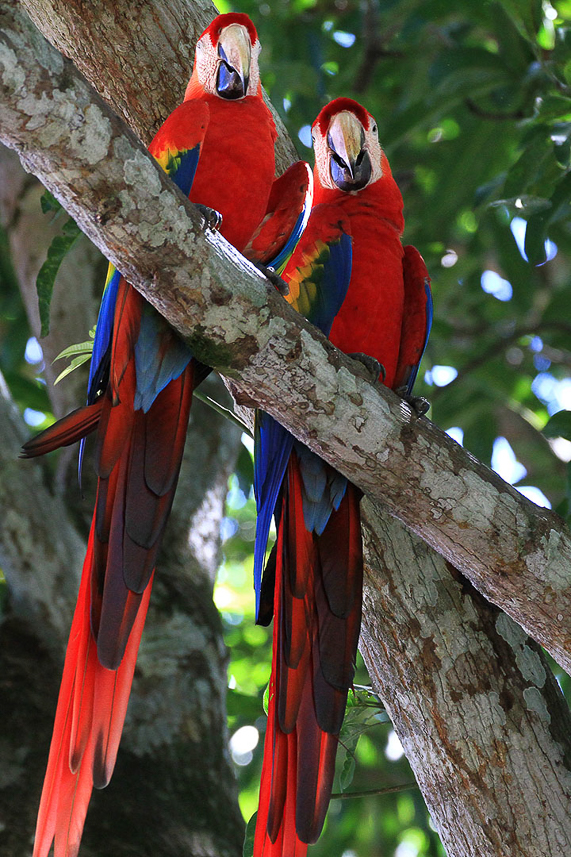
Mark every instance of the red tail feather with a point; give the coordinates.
(317, 614)
(115, 586)
(139, 451)
(89, 719)
(75, 426)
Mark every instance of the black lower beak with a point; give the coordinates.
(354, 176)
(229, 84)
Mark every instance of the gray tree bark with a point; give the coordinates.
(173, 777)
(426, 654)
(472, 698)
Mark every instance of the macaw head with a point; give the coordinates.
(226, 59)
(348, 155)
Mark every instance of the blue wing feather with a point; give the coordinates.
(323, 488)
(273, 445)
(156, 364)
(336, 278)
(183, 168)
(279, 262)
(103, 335)
(319, 286)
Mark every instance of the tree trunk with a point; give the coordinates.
(173, 778)
(472, 699)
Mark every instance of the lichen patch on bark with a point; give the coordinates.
(535, 702)
(13, 75)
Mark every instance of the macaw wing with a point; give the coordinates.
(160, 355)
(100, 358)
(319, 272)
(176, 145)
(417, 318)
(286, 217)
(318, 275)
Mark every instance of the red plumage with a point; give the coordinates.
(350, 275)
(141, 420)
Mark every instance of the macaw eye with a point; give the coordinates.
(374, 129)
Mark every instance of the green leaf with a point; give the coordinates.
(535, 236)
(248, 847)
(538, 223)
(28, 393)
(75, 364)
(528, 166)
(8, 279)
(468, 72)
(564, 508)
(245, 470)
(266, 701)
(74, 350)
(363, 696)
(347, 772)
(57, 251)
(527, 17)
(49, 202)
(559, 425)
(240, 704)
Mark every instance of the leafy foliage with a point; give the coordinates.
(77, 354)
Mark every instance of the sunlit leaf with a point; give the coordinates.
(75, 364)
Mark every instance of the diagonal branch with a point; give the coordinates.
(513, 552)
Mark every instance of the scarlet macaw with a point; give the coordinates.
(218, 146)
(351, 276)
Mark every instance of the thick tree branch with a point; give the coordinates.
(513, 552)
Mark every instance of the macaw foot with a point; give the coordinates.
(419, 404)
(274, 278)
(213, 218)
(371, 364)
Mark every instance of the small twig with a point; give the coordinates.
(474, 108)
(225, 412)
(367, 793)
(374, 42)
